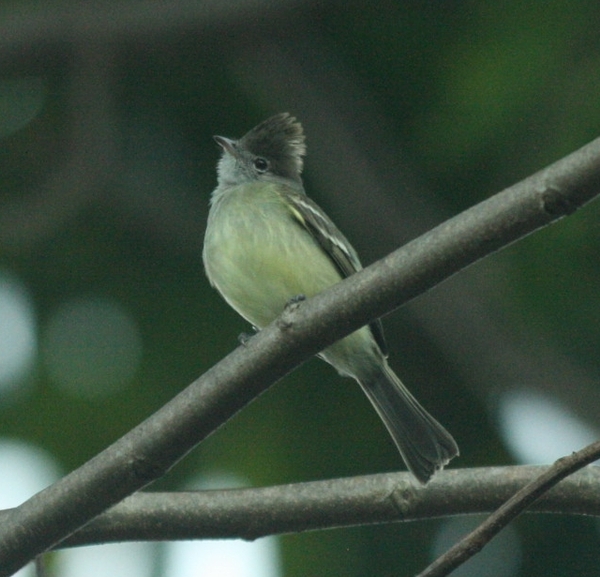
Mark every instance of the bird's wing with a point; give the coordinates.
(310, 216)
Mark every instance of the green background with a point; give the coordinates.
(413, 112)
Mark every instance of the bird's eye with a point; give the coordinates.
(261, 164)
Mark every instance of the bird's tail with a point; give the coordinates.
(424, 444)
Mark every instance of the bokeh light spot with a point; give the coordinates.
(26, 470)
(115, 559)
(92, 347)
(21, 100)
(17, 333)
(538, 429)
(501, 557)
(222, 557)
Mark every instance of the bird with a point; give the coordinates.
(267, 242)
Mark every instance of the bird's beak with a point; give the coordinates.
(227, 144)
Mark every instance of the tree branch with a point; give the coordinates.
(149, 450)
(383, 498)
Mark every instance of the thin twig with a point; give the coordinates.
(477, 539)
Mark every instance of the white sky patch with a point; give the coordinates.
(222, 557)
(501, 557)
(225, 558)
(113, 560)
(539, 429)
(18, 342)
(26, 470)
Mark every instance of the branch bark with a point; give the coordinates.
(384, 498)
(149, 450)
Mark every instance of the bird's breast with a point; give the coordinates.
(259, 256)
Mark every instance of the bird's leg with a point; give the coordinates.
(294, 301)
(243, 338)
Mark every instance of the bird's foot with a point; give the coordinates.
(294, 301)
(243, 338)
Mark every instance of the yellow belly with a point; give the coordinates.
(259, 257)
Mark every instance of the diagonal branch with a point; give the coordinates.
(149, 450)
(480, 537)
